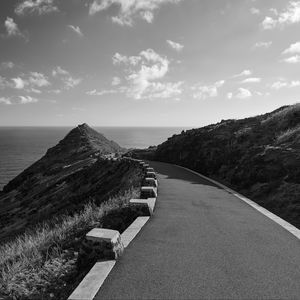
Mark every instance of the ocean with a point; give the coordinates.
(22, 146)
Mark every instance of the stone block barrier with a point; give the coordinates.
(144, 204)
(148, 192)
(101, 247)
(101, 244)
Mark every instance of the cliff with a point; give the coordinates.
(70, 174)
(258, 156)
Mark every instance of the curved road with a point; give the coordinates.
(203, 242)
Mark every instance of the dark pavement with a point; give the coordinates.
(203, 242)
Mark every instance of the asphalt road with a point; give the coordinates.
(204, 243)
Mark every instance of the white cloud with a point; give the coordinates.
(40, 7)
(128, 10)
(100, 93)
(5, 101)
(293, 48)
(131, 60)
(142, 75)
(277, 85)
(292, 60)
(254, 11)
(229, 95)
(27, 99)
(243, 73)
(115, 81)
(4, 83)
(159, 90)
(243, 93)
(32, 80)
(207, 91)
(291, 15)
(65, 76)
(76, 29)
(263, 45)
(252, 80)
(19, 83)
(38, 79)
(176, 46)
(12, 27)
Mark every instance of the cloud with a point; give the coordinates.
(243, 73)
(251, 80)
(32, 80)
(243, 93)
(277, 85)
(128, 10)
(39, 7)
(176, 46)
(254, 11)
(230, 95)
(293, 48)
(291, 15)
(207, 91)
(76, 29)
(100, 93)
(4, 83)
(263, 45)
(19, 83)
(159, 90)
(5, 101)
(143, 73)
(12, 28)
(292, 60)
(65, 77)
(27, 99)
(115, 81)
(131, 60)
(38, 79)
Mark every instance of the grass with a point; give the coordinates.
(289, 134)
(282, 115)
(42, 263)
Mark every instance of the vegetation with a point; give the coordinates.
(47, 210)
(63, 181)
(257, 156)
(43, 263)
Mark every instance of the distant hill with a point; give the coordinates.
(63, 180)
(258, 156)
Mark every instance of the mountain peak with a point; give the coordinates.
(82, 140)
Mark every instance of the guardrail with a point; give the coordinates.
(108, 245)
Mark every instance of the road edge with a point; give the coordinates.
(286, 225)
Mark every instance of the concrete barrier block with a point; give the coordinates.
(150, 175)
(100, 244)
(148, 192)
(150, 182)
(149, 204)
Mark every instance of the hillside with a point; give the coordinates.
(69, 175)
(258, 156)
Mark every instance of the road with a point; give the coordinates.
(204, 243)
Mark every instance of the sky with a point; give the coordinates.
(146, 62)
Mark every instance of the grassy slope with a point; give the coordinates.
(259, 157)
(43, 263)
(47, 210)
(62, 181)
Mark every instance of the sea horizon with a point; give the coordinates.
(21, 146)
